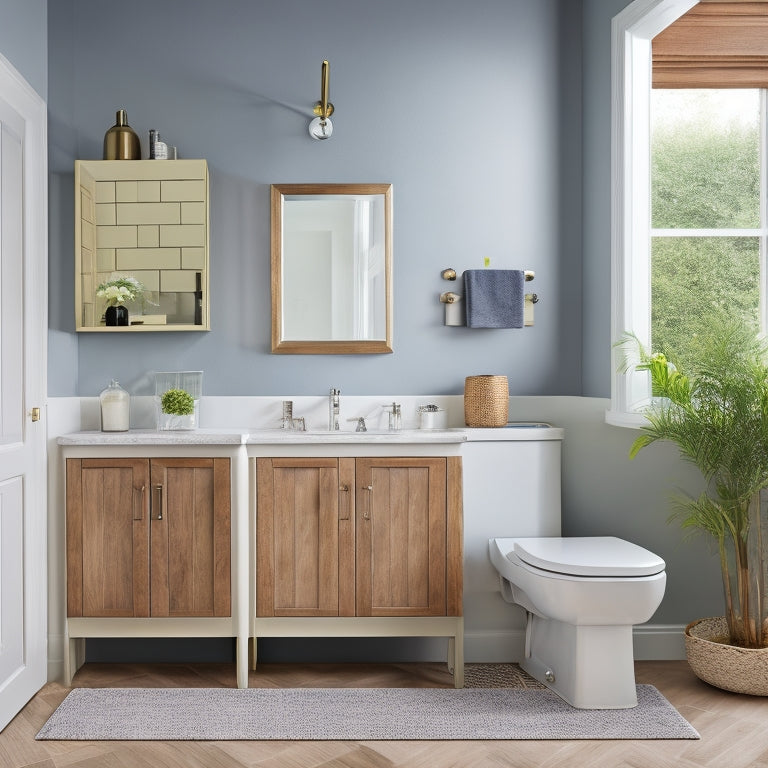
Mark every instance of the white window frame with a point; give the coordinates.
(631, 72)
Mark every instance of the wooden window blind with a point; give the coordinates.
(714, 45)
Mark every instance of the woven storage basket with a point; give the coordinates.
(486, 401)
(742, 670)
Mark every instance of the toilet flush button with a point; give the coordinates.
(549, 676)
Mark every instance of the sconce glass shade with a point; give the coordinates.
(321, 128)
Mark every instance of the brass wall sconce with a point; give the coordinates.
(321, 127)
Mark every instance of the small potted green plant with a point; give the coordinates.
(177, 396)
(716, 413)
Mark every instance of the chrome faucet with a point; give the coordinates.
(289, 421)
(333, 410)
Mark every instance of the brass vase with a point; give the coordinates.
(121, 141)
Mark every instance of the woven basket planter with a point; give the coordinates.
(486, 401)
(741, 670)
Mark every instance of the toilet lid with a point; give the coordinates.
(588, 556)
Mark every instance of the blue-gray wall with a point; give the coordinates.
(24, 42)
(492, 121)
(471, 110)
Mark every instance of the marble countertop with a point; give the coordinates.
(156, 437)
(520, 431)
(255, 437)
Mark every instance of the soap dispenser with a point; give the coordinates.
(115, 408)
(395, 417)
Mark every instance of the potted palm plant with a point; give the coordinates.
(716, 412)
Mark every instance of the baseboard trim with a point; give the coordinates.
(55, 657)
(652, 642)
(659, 642)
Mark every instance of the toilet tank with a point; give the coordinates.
(511, 488)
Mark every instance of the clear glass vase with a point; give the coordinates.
(744, 560)
(188, 382)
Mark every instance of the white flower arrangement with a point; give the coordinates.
(119, 290)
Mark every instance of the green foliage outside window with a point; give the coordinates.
(705, 174)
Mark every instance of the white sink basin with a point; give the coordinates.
(371, 436)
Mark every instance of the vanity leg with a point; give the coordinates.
(74, 657)
(456, 654)
(253, 654)
(458, 659)
(241, 653)
(67, 661)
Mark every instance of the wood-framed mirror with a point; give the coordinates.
(331, 269)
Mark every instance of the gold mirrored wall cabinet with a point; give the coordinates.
(141, 245)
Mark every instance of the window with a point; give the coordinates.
(707, 221)
(714, 46)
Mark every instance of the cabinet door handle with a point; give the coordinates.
(138, 503)
(344, 502)
(160, 502)
(367, 507)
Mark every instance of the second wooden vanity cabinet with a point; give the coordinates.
(148, 537)
(365, 537)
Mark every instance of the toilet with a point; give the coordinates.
(582, 597)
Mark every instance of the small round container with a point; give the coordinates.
(432, 417)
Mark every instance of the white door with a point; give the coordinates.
(23, 329)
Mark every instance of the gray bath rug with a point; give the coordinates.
(351, 714)
(498, 676)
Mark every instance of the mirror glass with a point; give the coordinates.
(141, 246)
(331, 268)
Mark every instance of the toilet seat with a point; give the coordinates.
(596, 556)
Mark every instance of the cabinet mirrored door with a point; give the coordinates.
(144, 222)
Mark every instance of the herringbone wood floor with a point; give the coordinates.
(734, 728)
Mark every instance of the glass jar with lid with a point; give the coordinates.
(115, 408)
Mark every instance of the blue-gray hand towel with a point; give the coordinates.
(494, 298)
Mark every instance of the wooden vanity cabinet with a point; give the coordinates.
(358, 537)
(148, 537)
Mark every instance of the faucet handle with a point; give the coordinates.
(360, 424)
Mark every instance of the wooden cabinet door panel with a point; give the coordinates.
(107, 537)
(303, 515)
(190, 537)
(401, 537)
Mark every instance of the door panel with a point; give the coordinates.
(11, 578)
(401, 537)
(300, 519)
(190, 537)
(107, 537)
(11, 282)
(23, 333)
